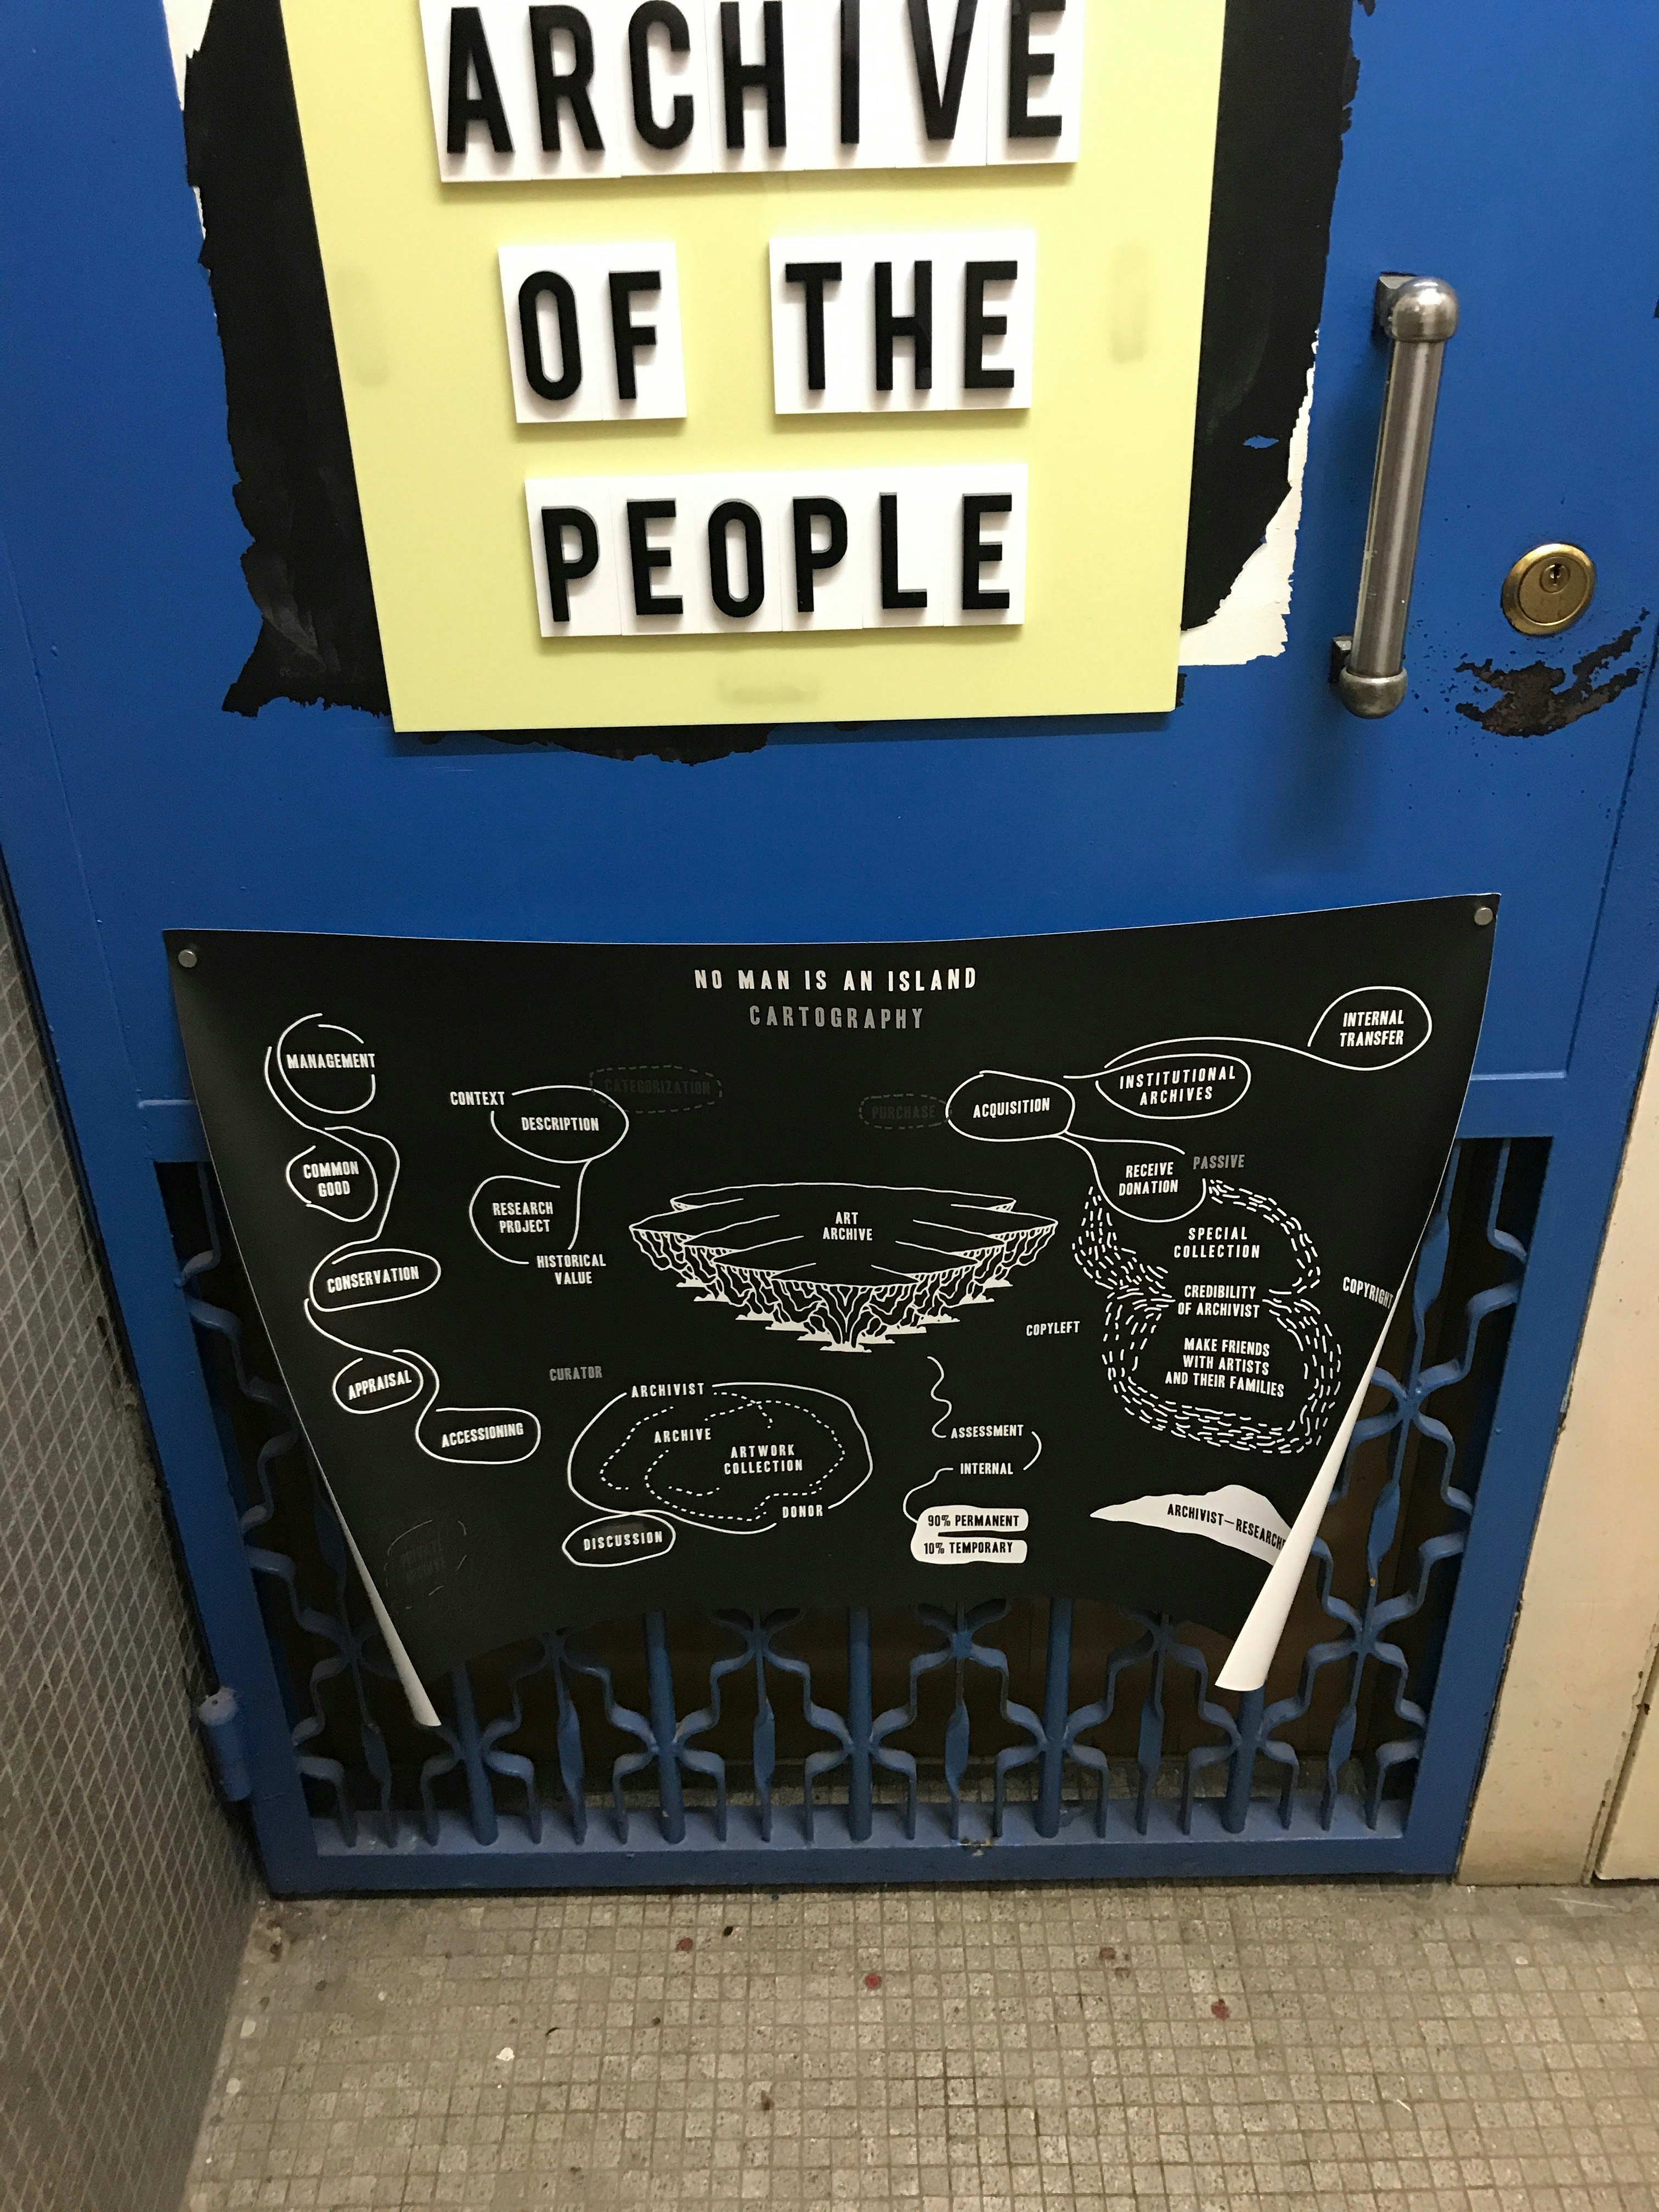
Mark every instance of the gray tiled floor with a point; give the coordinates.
(1120, 2049)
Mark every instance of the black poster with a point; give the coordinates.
(610, 1279)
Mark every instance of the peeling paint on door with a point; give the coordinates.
(1537, 701)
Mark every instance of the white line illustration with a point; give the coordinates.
(1214, 1336)
(518, 1206)
(310, 1067)
(934, 1393)
(377, 1382)
(365, 1274)
(846, 1266)
(1372, 1027)
(997, 1108)
(371, 1275)
(323, 1176)
(1263, 1382)
(1184, 1085)
(567, 1124)
(737, 1459)
(619, 1539)
(477, 1436)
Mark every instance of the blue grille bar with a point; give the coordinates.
(1122, 1744)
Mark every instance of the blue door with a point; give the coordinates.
(1507, 150)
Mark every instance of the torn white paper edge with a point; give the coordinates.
(1253, 1650)
(1241, 1519)
(186, 22)
(1252, 623)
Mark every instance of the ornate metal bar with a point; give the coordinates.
(344, 1698)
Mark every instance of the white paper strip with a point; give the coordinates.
(1252, 1654)
(420, 1705)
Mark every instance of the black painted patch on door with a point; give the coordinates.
(1288, 75)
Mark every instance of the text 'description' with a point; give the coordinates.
(688, 87)
(967, 1536)
(840, 549)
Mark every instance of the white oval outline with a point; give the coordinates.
(506, 1258)
(381, 1404)
(453, 1459)
(712, 1528)
(1139, 1053)
(325, 1113)
(1393, 991)
(1146, 1060)
(608, 1520)
(552, 1159)
(372, 1252)
(1007, 1075)
(350, 1220)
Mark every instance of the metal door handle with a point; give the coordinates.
(1417, 314)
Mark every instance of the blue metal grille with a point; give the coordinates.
(791, 1745)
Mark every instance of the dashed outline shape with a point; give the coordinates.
(650, 1413)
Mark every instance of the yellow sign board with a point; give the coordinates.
(948, 479)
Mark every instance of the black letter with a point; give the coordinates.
(977, 325)
(469, 57)
(558, 290)
(812, 277)
(766, 74)
(917, 327)
(552, 85)
(643, 557)
(628, 337)
(563, 573)
(849, 72)
(978, 553)
(890, 594)
(939, 109)
(1026, 69)
(808, 561)
(754, 566)
(675, 133)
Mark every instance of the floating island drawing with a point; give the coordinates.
(846, 1266)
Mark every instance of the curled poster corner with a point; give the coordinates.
(1241, 1519)
(1253, 1650)
(420, 1704)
